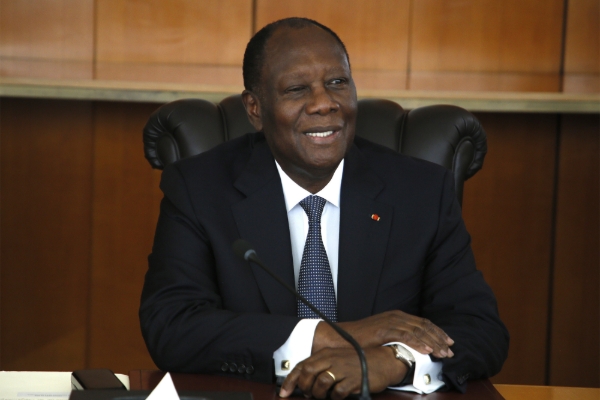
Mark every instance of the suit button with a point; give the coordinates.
(232, 367)
(250, 369)
(224, 367)
(241, 369)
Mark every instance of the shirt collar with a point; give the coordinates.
(294, 193)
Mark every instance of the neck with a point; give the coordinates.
(311, 185)
(311, 182)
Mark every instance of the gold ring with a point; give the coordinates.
(331, 374)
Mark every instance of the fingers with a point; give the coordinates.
(427, 338)
(337, 373)
(324, 373)
(434, 331)
(397, 326)
(314, 380)
(311, 376)
(337, 386)
(343, 389)
(323, 383)
(288, 385)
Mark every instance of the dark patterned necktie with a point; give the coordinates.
(315, 282)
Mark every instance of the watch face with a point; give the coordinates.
(402, 352)
(409, 355)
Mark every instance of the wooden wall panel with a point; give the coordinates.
(508, 211)
(46, 39)
(471, 44)
(582, 47)
(216, 75)
(575, 359)
(484, 81)
(125, 208)
(374, 32)
(45, 233)
(179, 32)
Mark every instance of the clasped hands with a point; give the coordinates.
(334, 365)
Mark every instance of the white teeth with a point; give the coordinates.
(319, 134)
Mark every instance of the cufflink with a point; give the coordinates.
(285, 365)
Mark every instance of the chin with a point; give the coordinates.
(324, 165)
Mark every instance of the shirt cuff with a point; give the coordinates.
(428, 373)
(297, 347)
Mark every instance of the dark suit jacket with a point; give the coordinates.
(204, 310)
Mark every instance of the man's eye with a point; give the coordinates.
(294, 89)
(338, 81)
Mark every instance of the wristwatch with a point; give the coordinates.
(405, 356)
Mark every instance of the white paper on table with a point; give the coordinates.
(27, 385)
(165, 390)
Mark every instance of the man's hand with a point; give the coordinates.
(390, 326)
(311, 377)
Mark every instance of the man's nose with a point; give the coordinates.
(321, 102)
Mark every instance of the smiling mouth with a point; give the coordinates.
(319, 134)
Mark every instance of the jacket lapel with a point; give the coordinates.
(262, 220)
(363, 240)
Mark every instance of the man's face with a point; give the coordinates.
(307, 102)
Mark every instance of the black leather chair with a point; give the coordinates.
(447, 135)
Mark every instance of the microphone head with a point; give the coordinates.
(243, 249)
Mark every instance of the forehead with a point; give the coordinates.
(292, 48)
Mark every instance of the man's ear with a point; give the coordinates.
(253, 109)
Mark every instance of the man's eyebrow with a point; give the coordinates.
(301, 72)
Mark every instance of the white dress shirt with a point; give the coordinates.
(299, 344)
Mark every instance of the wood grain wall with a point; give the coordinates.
(47, 39)
(582, 47)
(508, 212)
(79, 202)
(124, 215)
(575, 302)
(46, 188)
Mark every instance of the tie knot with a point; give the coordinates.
(313, 206)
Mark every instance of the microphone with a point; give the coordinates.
(244, 250)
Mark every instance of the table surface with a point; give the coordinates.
(480, 390)
(144, 380)
(526, 392)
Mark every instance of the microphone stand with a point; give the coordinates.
(245, 251)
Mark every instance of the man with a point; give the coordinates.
(391, 238)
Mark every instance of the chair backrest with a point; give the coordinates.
(446, 135)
